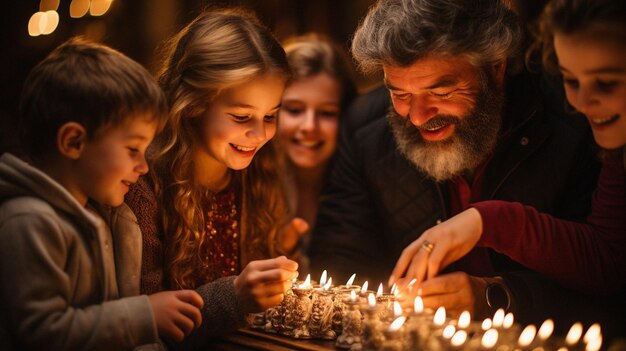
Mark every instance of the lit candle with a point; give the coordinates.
(464, 320)
(418, 305)
(351, 280)
(498, 318)
(323, 278)
(458, 340)
(527, 337)
(328, 284)
(573, 336)
(371, 301)
(393, 336)
(489, 339)
(592, 333)
(448, 331)
(397, 309)
(440, 317)
(486, 324)
(508, 321)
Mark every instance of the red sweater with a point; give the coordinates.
(589, 257)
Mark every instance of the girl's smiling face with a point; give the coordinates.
(593, 65)
(239, 121)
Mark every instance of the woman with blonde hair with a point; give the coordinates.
(212, 211)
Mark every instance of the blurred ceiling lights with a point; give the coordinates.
(46, 20)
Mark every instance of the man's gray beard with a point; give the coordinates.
(474, 137)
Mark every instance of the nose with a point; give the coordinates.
(584, 100)
(421, 110)
(142, 168)
(309, 122)
(257, 132)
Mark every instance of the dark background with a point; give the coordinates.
(136, 27)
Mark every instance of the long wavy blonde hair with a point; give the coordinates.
(217, 50)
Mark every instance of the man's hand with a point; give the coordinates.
(177, 313)
(262, 284)
(448, 241)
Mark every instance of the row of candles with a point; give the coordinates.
(360, 319)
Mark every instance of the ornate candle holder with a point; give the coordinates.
(297, 318)
(352, 326)
(372, 337)
(320, 322)
(394, 336)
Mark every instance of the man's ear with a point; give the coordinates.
(498, 71)
(71, 139)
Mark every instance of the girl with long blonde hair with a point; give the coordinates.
(212, 211)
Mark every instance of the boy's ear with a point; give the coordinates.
(71, 139)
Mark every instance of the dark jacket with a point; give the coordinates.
(377, 202)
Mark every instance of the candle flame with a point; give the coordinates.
(546, 329)
(327, 285)
(352, 295)
(418, 304)
(307, 282)
(490, 338)
(595, 344)
(364, 287)
(448, 331)
(440, 316)
(592, 333)
(486, 324)
(397, 309)
(371, 300)
(498, 318)
(413, 281)
(527, 336)
(394, 288)
(464, 320)
(508, 320)
(380, 290)
(397, 324)
(351, 280)
(323, 278)
(574, 334)
(459, 338)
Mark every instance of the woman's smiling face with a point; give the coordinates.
(593, 65)
(309, 118)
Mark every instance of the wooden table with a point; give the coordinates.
(249, 339)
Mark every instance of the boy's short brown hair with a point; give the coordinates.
(88, 83)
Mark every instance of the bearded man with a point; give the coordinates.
(465, 124)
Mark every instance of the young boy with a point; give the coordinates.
(68, 282)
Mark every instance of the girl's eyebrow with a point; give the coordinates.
(238, 105)
(612, 70)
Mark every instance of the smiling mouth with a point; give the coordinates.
(604, 121)
(127, 183)
(243, 148)
(309, 144)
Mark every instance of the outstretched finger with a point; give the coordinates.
(403, 262)
(434, 261)
(418, 267)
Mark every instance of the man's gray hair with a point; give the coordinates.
(399, 32)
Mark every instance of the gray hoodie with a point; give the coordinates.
(60, 289)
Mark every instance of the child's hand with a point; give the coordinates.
(262, 284)
(292, 232)
(176, 313)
